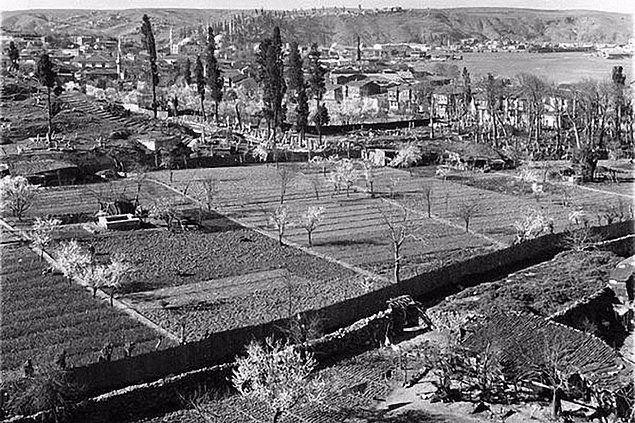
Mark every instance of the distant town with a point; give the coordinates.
(240, 219)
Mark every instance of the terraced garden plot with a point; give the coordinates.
(83, 119)
(188, 259)
(544, 289)
(79, 203)
(226, 303)
(497, 211)
(354, 228)
(42, 314)
(591, 197)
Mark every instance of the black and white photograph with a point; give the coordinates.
(328, 211)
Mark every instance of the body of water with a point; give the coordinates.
(556, 67)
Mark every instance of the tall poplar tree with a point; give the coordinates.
(214, 75)
(14, 56)
(186, 71)
(298, 88)
(619, 84)
(317, 86)
(302, 112)
(46, 76)
(271, 77)
(150, 46)
(199, 79)
(295, 73)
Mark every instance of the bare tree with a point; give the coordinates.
(210, 190)
(531, 225)
(552, 365)
(42, 232)
(277, 374)
(399, 228)
(118, 271)
(345, 174)
(96, 276)
(286, 178)
(427, 197)
(280, 219)
(163, 209)
(311, 219)
(466, 211)
(315, 181)
(141, 175)
(369, 176)
(71, 259)
(16, 195)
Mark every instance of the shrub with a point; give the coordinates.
(16, 195)
(50, 389)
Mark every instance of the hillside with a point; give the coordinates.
(343, 26)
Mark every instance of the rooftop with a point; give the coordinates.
(527, 339)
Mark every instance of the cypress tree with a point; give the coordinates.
(14, 56)
(271, 78)
(214, 74)
(619, 83)
(302, 111)
(150, 46)
(47, 76)
(295, 75)
(317, 86)
(263, 80)
(199, 79)
(186, 71)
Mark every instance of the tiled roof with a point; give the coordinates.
(38, 166)
(524, 339)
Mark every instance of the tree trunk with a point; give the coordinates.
(50, 119)
(556, 405)
(277, 415)
(240, 122)
(203, 106)
(216, 111)
(310, 239)
(397, 259)
(154, 98)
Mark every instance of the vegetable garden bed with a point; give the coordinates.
(42, 315)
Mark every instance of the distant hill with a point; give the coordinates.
(343, 26)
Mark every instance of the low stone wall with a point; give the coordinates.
(222, 347)
(168, 393)
(594, 314)
(623, 246)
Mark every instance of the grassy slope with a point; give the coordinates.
(407, 26)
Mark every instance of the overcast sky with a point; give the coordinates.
(624, 6)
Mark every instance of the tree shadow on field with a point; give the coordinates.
(395, 416)
(347, 243)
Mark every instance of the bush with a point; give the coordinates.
(50, 389)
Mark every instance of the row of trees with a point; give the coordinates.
(589, 116)
(208, 77)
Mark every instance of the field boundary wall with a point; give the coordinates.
(222, 347)
(169, 392)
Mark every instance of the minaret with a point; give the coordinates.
(118, 60)
(171, 40)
